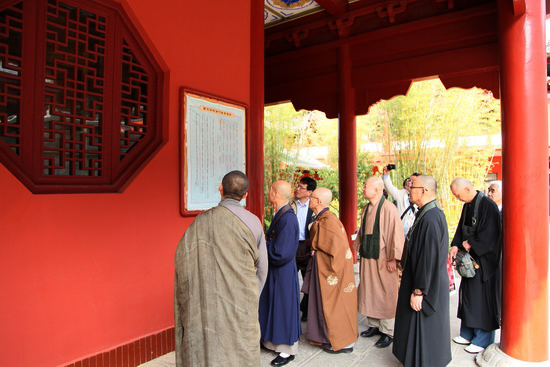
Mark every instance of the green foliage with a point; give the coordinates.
(432, 130)
(438, 132)
(284, 130)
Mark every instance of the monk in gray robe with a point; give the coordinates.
(221, 267)
(380, 244)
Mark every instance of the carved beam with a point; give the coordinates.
(391, 10)
(334, 7)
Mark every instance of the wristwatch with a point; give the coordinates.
(418, 292)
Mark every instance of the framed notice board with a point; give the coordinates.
(212, 143)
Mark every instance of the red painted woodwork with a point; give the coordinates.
(519, 7)
(90, 103)
(347, 146)
(255, 138)
(82, 274)
(525, 170)
(457, 41)
(459, 44)
(334, 7)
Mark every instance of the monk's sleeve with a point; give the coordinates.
(457, 239)
(325, 240)
(487, 232)
(393, 228)
(262, 264)
(282, 249)
(424, 264)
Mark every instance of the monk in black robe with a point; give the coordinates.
(479, 301)
(422, 325)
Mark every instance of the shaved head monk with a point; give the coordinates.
(280, 300)
(478, 233)
(221, 264)
(380, 244)
(330, 281)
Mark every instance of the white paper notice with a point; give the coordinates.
(215, 145)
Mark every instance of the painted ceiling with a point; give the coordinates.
(278, 11)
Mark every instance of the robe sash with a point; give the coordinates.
(370, 244)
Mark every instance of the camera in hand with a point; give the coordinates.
(390, 166)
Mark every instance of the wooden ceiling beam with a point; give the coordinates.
(334, 7)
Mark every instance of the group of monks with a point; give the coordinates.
(229, 276)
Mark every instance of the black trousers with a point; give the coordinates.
(305, 298)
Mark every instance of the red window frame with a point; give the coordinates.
(133, 81)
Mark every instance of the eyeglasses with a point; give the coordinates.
(419, 187)
(298, 187)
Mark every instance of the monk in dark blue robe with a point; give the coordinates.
(279, 310)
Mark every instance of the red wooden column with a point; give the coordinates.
(347, 144)
(255, 133)
(525, 175)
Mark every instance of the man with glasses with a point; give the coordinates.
(380, 244)
(300, 204)
(330, 281)
(422, 324)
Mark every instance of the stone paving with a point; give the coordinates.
(364, 353)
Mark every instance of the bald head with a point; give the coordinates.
(373, 189)
(283, 188)
(460, 183)
(324, 195)
(375, 181)
(320, 199)
(428, 182)
(463, 189)
(423, 190)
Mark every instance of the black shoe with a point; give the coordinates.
(343, 350)
(280, 361)
(304, 318)
(384, 341)
(372, 331)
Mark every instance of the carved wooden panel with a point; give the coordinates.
(81, 95)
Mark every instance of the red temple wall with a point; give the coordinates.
(81, 274)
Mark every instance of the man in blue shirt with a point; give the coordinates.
(300, 204)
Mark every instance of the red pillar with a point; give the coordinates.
(255, 133)
(525, 179)
(347, 144)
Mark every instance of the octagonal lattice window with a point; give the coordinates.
(81, 95)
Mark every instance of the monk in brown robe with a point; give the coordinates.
(380, 244)
(330, 281)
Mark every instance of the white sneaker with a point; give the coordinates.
(474, 349)
(461, 340)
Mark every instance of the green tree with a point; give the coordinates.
(439, 132)
(432, 130)
(285, 131)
